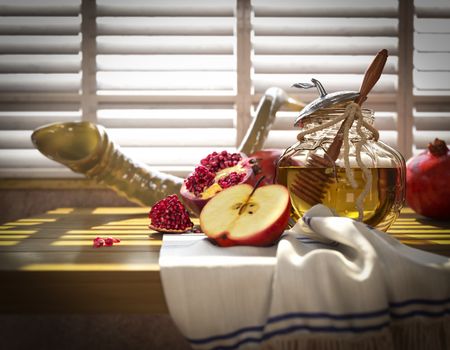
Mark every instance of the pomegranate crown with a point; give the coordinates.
(438, 147)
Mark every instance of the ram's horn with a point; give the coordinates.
(273, 99)
(86, 148)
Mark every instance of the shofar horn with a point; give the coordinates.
(274, 98)
(85, 148)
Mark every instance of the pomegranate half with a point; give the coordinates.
(215, 173)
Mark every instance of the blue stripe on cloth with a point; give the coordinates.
(421, 313)
(227, 335)
(419, 301)
(359, 315)
(330, 329)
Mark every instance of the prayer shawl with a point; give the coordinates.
(329, 283)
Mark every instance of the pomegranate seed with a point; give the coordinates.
(200, 179)
(218, 161)
(232, 179)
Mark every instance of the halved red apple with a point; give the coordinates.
(242, 215)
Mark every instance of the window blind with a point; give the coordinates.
(174, 80)
(166, 79)
(40, 79)
(159, 75)
(331, 41)
(431, 72)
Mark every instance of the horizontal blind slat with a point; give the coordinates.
(169, 156)
(29, 120)
(422, 138)
(163, 118)
(12, 44)
(165, 25)
(173, 137)
(39, 25)
(40, 63)
(25, 158)
(432, 61)
(432, 80)
(165, 80)
(166, 62)
(432, 121)
(341, 8)
(165, 8)
(328, 26)
(431, 25)
(323, 45)
(332, 82)
(15, 139)
(41, 7)
(163, 45)
(432, 8)
(318, 64)
(432, 42)
(40, 82)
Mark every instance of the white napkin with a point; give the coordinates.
(329, 283)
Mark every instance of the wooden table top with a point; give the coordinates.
(48, 264)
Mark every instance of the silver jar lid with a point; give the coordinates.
(323, 101)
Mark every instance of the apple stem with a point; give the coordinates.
(251, 194)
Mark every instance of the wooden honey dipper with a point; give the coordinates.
(311, 186)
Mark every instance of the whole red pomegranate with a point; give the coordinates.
(428, 181)
(266, 164)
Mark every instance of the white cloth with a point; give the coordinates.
(329, 283)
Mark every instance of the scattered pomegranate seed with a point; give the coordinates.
(99, 242)
(109, 241)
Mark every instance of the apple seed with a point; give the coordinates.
(236, 206)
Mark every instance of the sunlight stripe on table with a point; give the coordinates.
(440, 242)
(102, 232)
(17, 232)
(61, 211)
(420, 230)
(37, 220)
(120, 210)
(120, 227)
(8, 243)
(409, 227)
(15, 237)
(90, 267)
(423, 236)
(120, 236)
(16, 223)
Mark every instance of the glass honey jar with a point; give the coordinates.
(338, 161)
